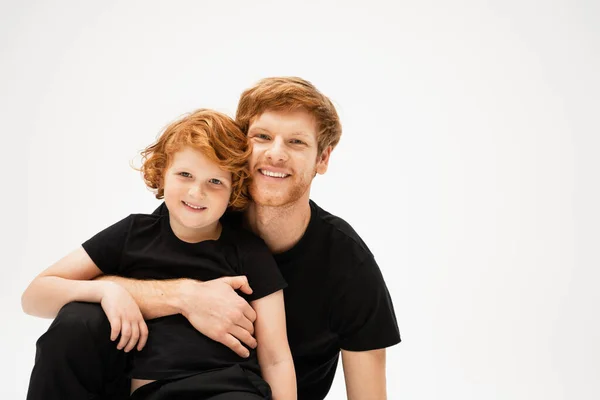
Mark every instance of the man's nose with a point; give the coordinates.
(277, 151)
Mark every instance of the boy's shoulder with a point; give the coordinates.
(233, 221)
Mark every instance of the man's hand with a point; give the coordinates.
(218, 312)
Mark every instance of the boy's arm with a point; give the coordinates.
(274, 355)
(364, 373)
(67, 280)
(212, 307)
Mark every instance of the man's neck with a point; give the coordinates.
(280, 227)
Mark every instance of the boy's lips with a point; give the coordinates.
(193, 206)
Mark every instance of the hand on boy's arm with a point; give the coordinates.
(217, 311)
(212, 307)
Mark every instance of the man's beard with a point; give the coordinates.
(268, 197)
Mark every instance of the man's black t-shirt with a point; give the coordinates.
(145, 247)
(336, 299)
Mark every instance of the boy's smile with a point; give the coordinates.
(197, 193)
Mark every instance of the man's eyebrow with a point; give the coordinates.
(259, 128)
(300, 133)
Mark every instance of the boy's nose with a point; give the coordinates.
(197, 192)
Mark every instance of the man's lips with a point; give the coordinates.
(273, 173)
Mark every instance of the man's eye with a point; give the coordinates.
(185, 174)
(215, 181)
(297, 141)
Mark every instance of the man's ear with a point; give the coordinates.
(323, 160)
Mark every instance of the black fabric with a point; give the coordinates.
(336, 299)
(232, 383)
(75, 358)
(144, 247)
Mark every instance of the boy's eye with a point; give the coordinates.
(185, 174)
(262, 136)
(297, 141)
(215, 181)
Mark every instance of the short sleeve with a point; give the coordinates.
(261, 270)
(106, 247)
(363, 314)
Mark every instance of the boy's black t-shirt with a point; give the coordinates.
(336, 299)
(144, 247)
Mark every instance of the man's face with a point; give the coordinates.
(284, 157)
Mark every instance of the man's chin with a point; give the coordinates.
(269, 199)
(276, 198)
(266, 201)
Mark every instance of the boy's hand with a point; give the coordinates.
(124, 316)
(218, 312)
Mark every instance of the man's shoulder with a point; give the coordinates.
(339, 233)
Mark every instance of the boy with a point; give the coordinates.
(199, 166)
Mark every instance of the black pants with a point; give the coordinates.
(75, 359)
(233, 383)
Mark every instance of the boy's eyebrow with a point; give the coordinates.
(220, 174)
(223, 176)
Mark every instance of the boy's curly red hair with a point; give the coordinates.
(213, 133)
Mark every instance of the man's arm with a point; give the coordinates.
(156, 298)
(274, 355)
(364, 373)
(212, 307)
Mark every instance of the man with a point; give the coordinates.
(336, 300)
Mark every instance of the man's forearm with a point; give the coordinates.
(156, 298)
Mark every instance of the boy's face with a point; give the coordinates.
(197, 193)
(284, 157)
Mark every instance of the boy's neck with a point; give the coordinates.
(212, 232)
(281, 227)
